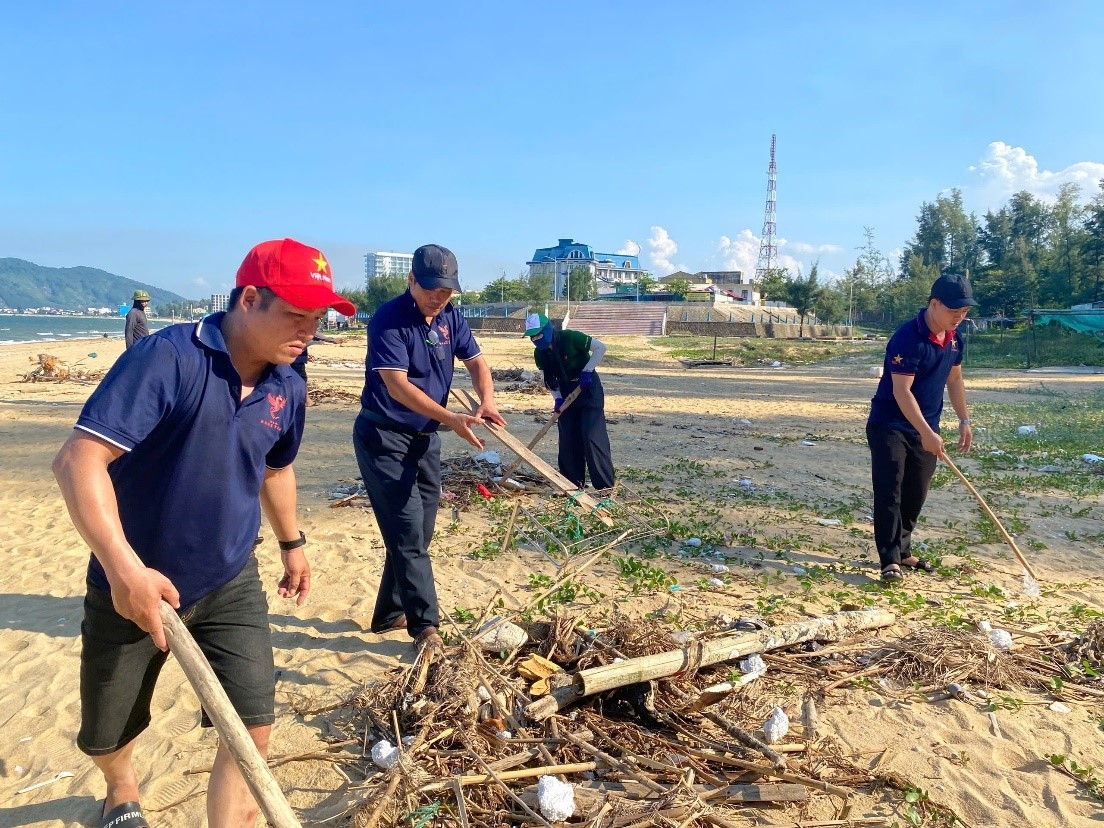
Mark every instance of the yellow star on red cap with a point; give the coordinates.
(321, 263)
(897, 360)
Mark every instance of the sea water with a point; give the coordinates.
(35, 328)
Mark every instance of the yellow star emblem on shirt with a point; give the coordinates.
(321, 263)
(897, 360)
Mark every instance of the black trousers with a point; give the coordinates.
(901, 472)
(402, 474)
(584, 441)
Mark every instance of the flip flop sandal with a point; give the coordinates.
(921, 564)
(891, 574)
(124, 815)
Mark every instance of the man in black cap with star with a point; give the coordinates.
(922, 357)
(412, 343)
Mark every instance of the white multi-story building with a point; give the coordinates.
(382, 263)
(220, 302)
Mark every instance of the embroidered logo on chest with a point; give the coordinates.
(276, 403)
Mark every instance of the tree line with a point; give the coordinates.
(1028, 254)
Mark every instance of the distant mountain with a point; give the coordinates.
(27, 285)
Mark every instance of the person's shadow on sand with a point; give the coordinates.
(41, 614)
(85, 809)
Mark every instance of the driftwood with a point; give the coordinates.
(700, 654)
(590, 796)
(255, 771)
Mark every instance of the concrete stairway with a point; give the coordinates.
(619, 318)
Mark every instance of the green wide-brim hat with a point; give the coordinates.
(534, 322)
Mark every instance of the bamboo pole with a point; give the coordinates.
(230, 729)
(992, 516)
(725, 648)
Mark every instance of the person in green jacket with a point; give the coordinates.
(568, 359)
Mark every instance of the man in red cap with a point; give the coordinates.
(193, 431)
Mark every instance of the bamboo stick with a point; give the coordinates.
(230, 729)
(726, 648)
(992, 516)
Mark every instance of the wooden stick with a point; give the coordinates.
(767, 770)
(510, 527)
(523, 773)
(989, 512)
(230, 729)
(725, 648)
(568, 400)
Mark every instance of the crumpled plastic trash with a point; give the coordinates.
(716, 582)
(829, 521)
(1001, 640)
(692, 542)
(718, 568)
(384, 754)
(556, 798)
(492, 458)
(1027, 429)
(753, 664)
(1030, 586)
(1092, 458)
(776, 364)
(776, 726)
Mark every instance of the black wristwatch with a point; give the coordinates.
(287, 546)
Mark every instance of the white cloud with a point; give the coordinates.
(199, 281)
(661, 252)
(806, 248)
(1005, 170)
(629, 248)
(742, 253)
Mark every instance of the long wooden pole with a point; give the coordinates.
(568, 400)
(989, 512)
(712, 651)
(226, 721)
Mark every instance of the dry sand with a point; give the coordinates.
(665, 416)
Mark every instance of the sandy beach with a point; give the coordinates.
(792, 430)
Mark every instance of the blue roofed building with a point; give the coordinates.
(608, 269)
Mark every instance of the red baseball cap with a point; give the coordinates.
(298, 274)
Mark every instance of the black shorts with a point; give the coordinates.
(120, 664)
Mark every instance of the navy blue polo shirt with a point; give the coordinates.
(194, 458)
(400, 340)
(914, 351)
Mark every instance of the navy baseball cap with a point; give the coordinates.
(954, 291)
(435, 267)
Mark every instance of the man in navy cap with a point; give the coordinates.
(413, 341)
(922, 357)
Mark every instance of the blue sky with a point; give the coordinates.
(161, 140)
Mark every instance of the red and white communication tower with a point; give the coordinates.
(768, 249)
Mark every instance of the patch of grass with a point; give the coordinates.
(755, 351)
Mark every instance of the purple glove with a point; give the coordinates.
(586, 379)
(556, 407)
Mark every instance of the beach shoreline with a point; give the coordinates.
(802, 450)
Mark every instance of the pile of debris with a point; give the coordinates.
(522, 381)
(324, 393)
(52, 369)
(618, 721)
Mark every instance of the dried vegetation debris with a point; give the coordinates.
(50, 368)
